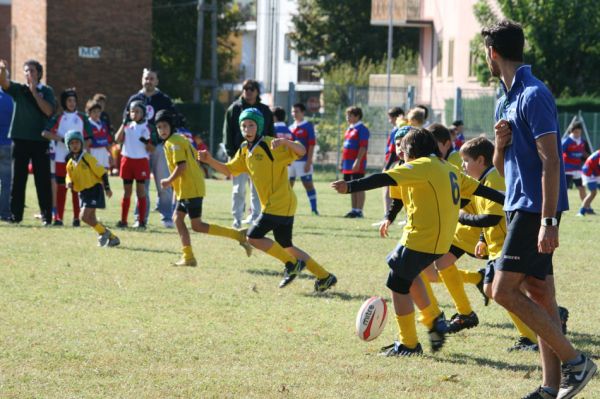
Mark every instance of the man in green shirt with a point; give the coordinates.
(34, 104)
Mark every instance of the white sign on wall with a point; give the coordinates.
(89, 52)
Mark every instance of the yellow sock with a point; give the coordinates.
(470, 277)
(188, 253)
(100, 229)
(216, 230)
(278, 252)
(429, 314)
(524, 330)
(316, 269)
(407, 330)
(456, 288)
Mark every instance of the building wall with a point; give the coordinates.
(5, 30)
(28, 18)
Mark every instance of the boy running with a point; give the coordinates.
(266, 159)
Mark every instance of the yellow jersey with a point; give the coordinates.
(455, 159)
(432, 200)
(495, 235)
(84, 173)
(269, 174)
(190, 184)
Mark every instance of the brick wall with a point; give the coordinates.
(29, 21)
(5, 28)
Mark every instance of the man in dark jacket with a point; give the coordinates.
(232, 138)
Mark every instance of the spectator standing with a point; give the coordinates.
(354, 157)
(574, 153)
(34, 103)
(6, 111)
(232, 139)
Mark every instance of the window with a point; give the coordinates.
(472, 64)
(440, 49)
(450, 58)
(287, 48)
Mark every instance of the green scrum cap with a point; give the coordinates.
(255, 115)
(73, 135)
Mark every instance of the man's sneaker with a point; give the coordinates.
(359, 215)
(398, 349)
(291, 271)
(113, 242)
(121, 224)
(590, 211)
(186, 262)
(104, 238)
(325, 283)
(580, 213)
(575, 377)
(524, 344)
(249, 219)
(350, 215)
(57, 223)
(460, 322)
(168, 224)
(539, 394)
(563, 313)
(486, 300)
(76, 223)
(437, 334)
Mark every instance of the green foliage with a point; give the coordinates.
(486, 17)
(574, 104)
(478, 114)
(341, 32)
(561, 41)
(174, 44)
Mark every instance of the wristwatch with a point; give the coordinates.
(549, 222)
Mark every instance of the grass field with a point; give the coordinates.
(78, 321)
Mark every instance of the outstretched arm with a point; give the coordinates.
(469, 219)
(366, 183)
(205, 157)
(295, 146)
(489, 193)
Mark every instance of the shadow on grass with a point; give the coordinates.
(344, 296)
(499, 325)
(464, 359)
(274, 273)
(138, 249)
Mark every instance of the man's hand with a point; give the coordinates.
(165, 183)
(340, 186)
(502, 134)
(204, 156)
(383, 228)
(307, 167)
(547, 239)
(480, 249)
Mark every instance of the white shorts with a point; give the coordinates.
(575, 173)
(590, 179)
(296, 169)
(101, 154)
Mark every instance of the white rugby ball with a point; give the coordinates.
(371, 318)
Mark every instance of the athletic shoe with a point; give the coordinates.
(564, 317)
(113, 242)
(121, 224)
(580, 214)
(350, 215)
(398, 349)
(186, 262)
(460, 322)
(524, 344)
(104, 238)
(575, 377)
(486, 300)
(325, 283)
(315, 212)
(236, 224)
(76, 223)
(168, 224)
(437, 334)
(248, 220)
(359, 215)
(539, 394)
(57, 223)
(291, 271)
(590, 211)
(140, 226)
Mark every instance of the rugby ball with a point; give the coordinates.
(371, 318)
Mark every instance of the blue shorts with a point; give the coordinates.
(92, 197)
(405, 265)
(190, 206)
(592, 185)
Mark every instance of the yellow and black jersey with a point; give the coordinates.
(84, 172)
(495, 235)
(191, 183)
(267, 168)
(455, 159)
(432, 200)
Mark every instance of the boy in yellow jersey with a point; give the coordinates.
(266, 159)
(187, 180)
(477, 156)
(433, 192)
(87, 177)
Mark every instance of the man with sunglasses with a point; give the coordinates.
(232, 139)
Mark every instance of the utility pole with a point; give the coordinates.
(199, 40)
(389, 51)
(213, 72)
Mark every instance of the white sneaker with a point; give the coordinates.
(168, 224)
(248, 220)
(236, 224)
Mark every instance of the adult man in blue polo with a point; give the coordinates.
(528, 154)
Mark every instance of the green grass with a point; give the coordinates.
(77, 321)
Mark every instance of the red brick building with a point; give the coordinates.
(5, 28)
(97, 47)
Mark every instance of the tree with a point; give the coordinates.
(341, 32)
(174, 43)
(561, 41)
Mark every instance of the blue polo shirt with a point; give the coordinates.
(529, 107)
(6, 114)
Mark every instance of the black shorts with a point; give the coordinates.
(520, 253)
(405, 265)
(490, 267)
(92, 197)
(458, 252)
(282, 227)
(571, 180)
(191, 206)
(353, 176)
